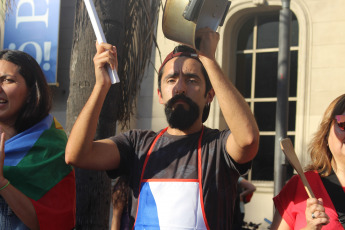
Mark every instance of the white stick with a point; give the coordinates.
(99, 35)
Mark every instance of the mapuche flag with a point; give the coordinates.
(35, 165)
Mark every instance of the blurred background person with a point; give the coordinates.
(120, 219)
(245, 190)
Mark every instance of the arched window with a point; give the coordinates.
(256, 79)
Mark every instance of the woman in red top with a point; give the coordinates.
(327, 151)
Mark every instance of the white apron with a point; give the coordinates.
(171, 203)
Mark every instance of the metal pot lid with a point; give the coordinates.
(182, 18)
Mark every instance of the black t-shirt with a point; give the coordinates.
(176, 157)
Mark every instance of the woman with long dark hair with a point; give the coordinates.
(37, 188)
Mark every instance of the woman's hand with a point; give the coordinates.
(106, 55)
(3, 180)
(315, 214)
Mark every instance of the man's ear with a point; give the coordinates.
(210, 95)
(160, 97)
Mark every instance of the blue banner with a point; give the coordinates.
(32, 26)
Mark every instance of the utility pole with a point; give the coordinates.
(283, 85)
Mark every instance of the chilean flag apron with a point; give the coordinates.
(171, 203)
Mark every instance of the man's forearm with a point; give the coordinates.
(236, 112)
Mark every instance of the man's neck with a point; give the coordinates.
(196, 127)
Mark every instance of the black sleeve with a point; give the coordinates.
(242, 169)
(123, 142)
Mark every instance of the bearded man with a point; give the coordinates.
(185, 176)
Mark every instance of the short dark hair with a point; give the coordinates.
(39, 100)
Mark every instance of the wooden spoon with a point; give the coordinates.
(290, 153)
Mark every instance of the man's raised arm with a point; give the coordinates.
(242, 144)
(81, 150)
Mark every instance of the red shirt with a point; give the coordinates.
(291, 202)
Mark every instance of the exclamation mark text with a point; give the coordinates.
(46, 55)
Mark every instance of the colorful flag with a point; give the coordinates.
(35, 165)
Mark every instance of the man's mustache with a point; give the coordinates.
(179, 97)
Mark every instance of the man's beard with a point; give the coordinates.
(178, 117)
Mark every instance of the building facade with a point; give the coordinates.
(247, 53)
